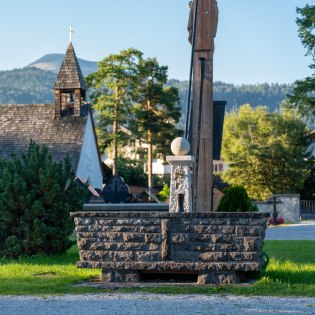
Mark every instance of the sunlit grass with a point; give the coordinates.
(44, 274)
(291, 272)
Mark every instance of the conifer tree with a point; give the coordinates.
(36, 196)
(157, 111)
(113, 87)
(303, 96)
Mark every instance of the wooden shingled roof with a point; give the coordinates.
(22, 123)
(70, 75)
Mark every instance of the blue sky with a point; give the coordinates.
(257, 40)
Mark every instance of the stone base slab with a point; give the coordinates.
(171, 266)
(213, 273)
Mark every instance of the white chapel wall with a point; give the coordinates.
(89, 166)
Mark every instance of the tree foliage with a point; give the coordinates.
(113, 87)
(129, 91)
(303, 96)
(132, 171)
(36, 196)
(164, 194)
(308, 190)
(157, 111)
(265, 152)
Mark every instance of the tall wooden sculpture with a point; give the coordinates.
(202, 27)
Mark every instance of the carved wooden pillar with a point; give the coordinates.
(202, 127)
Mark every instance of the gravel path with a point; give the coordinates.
(138, 304)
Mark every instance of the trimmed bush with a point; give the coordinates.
(236, 199)
(36, 196)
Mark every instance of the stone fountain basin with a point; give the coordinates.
(217, 247)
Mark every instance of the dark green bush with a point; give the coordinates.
(235, 199)
(36, 196)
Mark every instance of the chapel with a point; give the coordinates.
(65, 127)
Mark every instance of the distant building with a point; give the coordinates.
(65, 127)
(219, 166)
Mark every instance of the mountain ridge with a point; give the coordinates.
(52, 62)
(34, 84)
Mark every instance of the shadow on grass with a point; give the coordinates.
(291, 262)
(298, 252)
(67, 259)
(293, 277)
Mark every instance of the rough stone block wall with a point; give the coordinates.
(215, 246)
(288, 208)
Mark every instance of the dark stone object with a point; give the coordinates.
(116, 191)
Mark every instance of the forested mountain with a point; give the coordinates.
(34, 85)
(26, 86)
(270, 95)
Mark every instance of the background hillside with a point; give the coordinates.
(52, 62)
(26, 86)
(34, 84)
(270, 95)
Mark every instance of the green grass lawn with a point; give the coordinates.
(291, 272)
(44, 275)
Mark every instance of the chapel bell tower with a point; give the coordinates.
(70, 87)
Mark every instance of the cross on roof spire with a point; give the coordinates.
(70, 34)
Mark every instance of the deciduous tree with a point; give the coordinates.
(265, 152)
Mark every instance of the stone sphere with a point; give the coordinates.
(180, 146)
